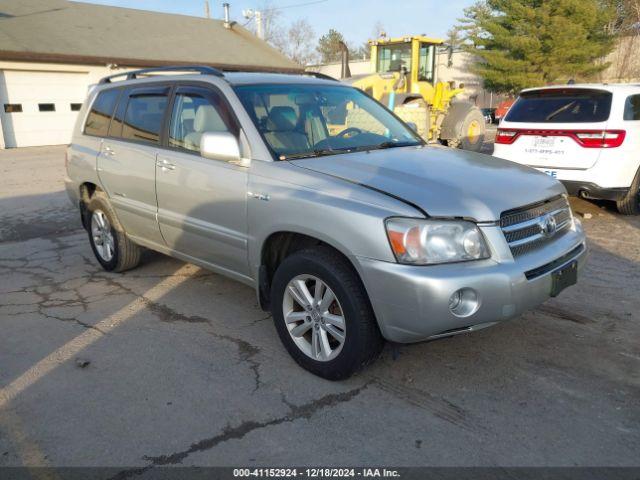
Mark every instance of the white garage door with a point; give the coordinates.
(39, 108)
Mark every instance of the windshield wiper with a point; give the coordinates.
(390, 144)
(334, 151)
(557, 112)
(320, 152)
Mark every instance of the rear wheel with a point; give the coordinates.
(113, 250)
(630, 203)
(322, 314)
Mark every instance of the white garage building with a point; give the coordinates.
(52, 50)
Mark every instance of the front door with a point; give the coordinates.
(202, 203)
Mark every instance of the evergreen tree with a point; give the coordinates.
(329, 46)
(529, 43)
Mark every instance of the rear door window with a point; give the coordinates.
(144, 115)
(572, 105)
(100, 114)
(632, 108)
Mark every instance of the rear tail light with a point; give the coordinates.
(506, 136)
(603, 139)
(585, 138)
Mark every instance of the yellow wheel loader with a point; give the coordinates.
(405, 80)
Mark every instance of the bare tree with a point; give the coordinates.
(270, 16)
(378, 31)
(625, 63)
(455, 37)
(298, 42)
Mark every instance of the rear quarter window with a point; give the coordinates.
(100, 114)
(632, 108)
(561, 106)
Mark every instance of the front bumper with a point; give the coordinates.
(412, 302)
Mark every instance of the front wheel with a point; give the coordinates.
(464, 127)
(322, 314)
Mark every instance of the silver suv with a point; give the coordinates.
(348, 226)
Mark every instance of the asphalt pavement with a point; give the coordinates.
(169, 364)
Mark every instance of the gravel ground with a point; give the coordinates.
(170, 364)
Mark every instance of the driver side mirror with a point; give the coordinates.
(220, 146)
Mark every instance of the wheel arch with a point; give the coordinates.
(87, 190)
(279, 245)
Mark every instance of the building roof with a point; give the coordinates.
(72, 32)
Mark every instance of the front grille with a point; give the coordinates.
(530, 227)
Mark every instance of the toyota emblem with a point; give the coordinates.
(548, 226)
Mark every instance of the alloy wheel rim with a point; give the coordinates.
(314, 318)
(102, 235)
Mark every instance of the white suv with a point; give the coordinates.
(587, 136)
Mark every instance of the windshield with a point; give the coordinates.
(571, 105)
(300, 121)
(392, 58)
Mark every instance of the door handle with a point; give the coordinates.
(165, 165)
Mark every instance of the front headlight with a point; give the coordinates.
(424, 242)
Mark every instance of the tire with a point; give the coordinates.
(362, 339)
(415, 111)
(462, 119)
(473, 144)
(125, 254)
(630, 203)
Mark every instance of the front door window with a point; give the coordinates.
(197, 111)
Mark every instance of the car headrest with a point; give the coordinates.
(281, 119)
(208, 120)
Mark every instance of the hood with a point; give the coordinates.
(441, 181)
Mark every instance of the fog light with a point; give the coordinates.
(464, 302)
(454, 301)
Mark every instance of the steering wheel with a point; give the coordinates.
(349, 130)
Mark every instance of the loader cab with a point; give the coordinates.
(405, 80)
(413, 56)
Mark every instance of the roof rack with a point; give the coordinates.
(321, 75)
(132, 75)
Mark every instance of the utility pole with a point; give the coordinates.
(256, 15)
(207, 12)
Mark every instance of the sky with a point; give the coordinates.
(355, 19)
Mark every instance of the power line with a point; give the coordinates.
(295, 5)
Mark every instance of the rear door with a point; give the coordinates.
(127, 161)
(564, 128)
